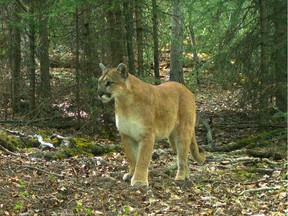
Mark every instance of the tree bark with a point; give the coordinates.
(16, 60)
(77, 66)
(176, 70)
(155, 40)
(129, 34)
(279, 54)
(139, 37)
(31, 67)
(45, 91)
(91, 56)
(264, 61)
(116, 34)
(195, 56)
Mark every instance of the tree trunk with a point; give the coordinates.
(176, 69)
(90, 68)
(156, 42)
(45, 91)
(264, 62)
(116, 34)
(129, 34)
(16, 60)
(31, 67)
(195, 56)
(139, 37)
(77, 67)
(279, 54)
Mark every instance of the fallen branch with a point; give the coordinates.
(11, 153)
(42, 170)
(42, 143)
(18, 133)
(248, 142)
(259, 189)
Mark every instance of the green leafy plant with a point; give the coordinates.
(17, 206)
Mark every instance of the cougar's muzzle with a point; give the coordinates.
(103, 95)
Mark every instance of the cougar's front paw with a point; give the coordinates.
(127, 177)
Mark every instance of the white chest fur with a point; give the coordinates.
(129, 126)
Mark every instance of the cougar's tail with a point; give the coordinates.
(198, 154)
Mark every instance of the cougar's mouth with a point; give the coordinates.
(105, 97)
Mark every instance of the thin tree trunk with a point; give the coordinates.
(77, 67)
(156, 42)
(31, 67)
(195, 55)
(129, 34)
(91, 55)
(139, 37)
(45, 91)
(16, 60)
(176, 70)
(264, 61)
(116, 34)
(279, 54)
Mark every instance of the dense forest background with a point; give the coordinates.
(50, 51)
(59, 148)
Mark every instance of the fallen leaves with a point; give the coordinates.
(228, 184)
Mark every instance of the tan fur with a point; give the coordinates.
(146, 113)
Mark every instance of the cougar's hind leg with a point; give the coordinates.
(131, 153)
(172, 141)
(182, 145)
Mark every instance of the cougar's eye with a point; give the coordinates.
(109, 83)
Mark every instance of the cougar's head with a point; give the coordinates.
(112, 82)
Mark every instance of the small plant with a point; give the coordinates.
(22, 185)
(126, 209)
(88, 211)
(79, 206)
(24, 193)
(17, 207)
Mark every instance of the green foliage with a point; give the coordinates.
(281, 115)
(226, 35)
(17, 207)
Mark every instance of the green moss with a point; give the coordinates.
(92, 147)
(11, 143)
(56, 142)
(15, 141)
(32, 142)
(242, 175)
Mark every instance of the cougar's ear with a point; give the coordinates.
(122, 70)
(103, 68)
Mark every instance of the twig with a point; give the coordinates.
(42, 170)
(18, 133)
(259, 189)
(42, 143)
(11, 153)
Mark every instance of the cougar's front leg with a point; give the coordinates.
(146, 146)
(131, 153)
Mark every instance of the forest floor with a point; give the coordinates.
(229, 183)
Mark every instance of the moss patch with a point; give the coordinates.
(242, 175)
(82, 146)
